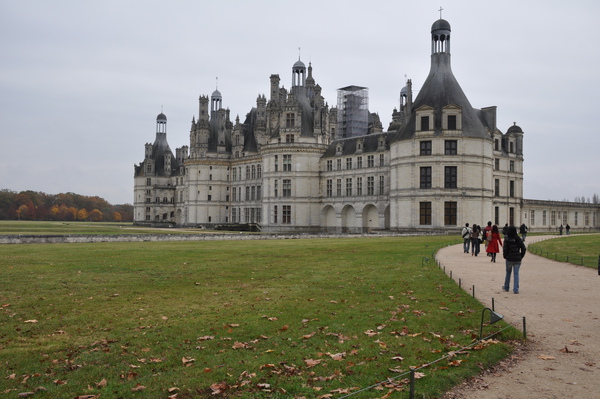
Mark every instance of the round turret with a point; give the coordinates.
(161, 117)
(514, 129)
(440, 24)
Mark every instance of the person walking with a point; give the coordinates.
(466, 235)
(513, 251)
(494, 243)
(560, 229)
(523, 230)
(475, 248)
(487, 230)
(568, 229)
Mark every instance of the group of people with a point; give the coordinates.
(513, 249)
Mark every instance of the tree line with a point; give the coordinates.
(35, 205)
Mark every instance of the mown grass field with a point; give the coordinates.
(274, 319)
(579, 249)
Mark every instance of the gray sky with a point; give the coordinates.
(81, 82)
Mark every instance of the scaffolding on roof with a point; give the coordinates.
(353, 111)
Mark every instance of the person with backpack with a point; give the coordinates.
(466, 235)
(523, 230)
(514, 250)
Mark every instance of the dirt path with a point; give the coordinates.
(561, 304)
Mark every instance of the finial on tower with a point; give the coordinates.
(217, 83)
(440, 10)
(298, 53)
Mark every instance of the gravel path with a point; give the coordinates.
(561, 304)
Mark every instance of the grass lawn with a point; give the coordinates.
(250, 319)
(579, 249)
(76, 228)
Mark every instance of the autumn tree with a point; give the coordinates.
(117, 217)
(95, 215)
(82, 214)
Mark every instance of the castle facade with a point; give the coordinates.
(296, 165)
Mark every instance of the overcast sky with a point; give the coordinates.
(81, 82)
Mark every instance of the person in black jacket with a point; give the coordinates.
(513, 251)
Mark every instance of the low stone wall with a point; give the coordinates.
(78, 239)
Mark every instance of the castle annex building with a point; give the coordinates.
(296, 165)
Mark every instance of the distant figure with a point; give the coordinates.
(523, 230)
(514, 250)
(494, 243)
(505, 230)
(475, 248)
(466, 235)
(560, 229)
(568, 229)
(486, 232)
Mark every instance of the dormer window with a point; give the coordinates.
(451, 118)
(424, 123)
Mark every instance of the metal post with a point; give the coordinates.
(524, 328)
(460, 281)
(412, 384)
(473, 290)
(493, 307)
(450, 273)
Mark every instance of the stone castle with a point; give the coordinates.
(296, 165)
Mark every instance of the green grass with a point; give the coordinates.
(580, 249)
(272, 319)
(89, 228)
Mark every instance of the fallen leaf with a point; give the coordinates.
(174, 389)
(546, 357)
(102, 383)
(371, 333)
(138, 388)
(187, 361)
(399, 358)
(30, 321)
(26, 394)
(311, 363)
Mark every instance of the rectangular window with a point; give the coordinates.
(348, 187)
(370, 185)
(576, 219)
(359, 186)
(233, 215)
(209, 198)
(329, 165)
(450, 147)
(424, 123)
(511, 216)
(289, 120)
(532, 215)
(329, 188)
(253, 193)
(497, 187)
(425, 213)
(287, 188)
(496, 164)
(234, 174)
(451, 122)
(233, 193)
(370, 161)
(276, 164)
(543, 218)
(381, 160)
(586, 218)
(286, 216)
(512, 166)
(496, 215)
(450, 212)
(450, 176)
(289, 138)
(275, 188)
(338, 187)
(512, 188)
(425, 147)
(359, 163)
(247, 193)
(275, 214)
(148, 181)
(348, 163)
(339, 164)
(553, 218)
(381, 185)
(425, 177)
(287, 163)
(258, 192)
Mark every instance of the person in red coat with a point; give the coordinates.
(494, 243)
